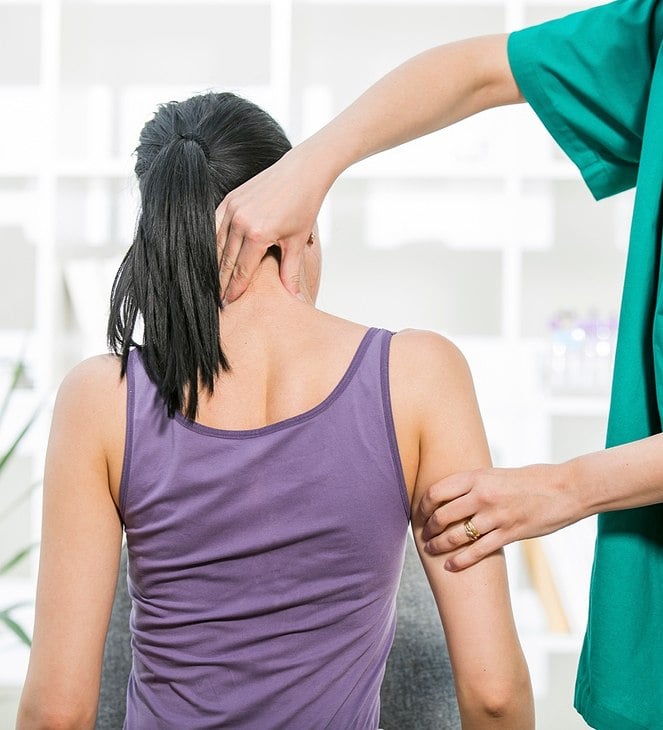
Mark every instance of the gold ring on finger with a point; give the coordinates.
(471, 531)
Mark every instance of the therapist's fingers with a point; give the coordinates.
(486, 545)
(227, 262)
(238, 270)
(240, 246)
(228, 244)
(451, 513)
(290, 270)
(443, 491)
(468, 529)
(222, 223)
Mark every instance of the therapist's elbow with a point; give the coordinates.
(497, 85)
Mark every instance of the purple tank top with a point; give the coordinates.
(264, 564)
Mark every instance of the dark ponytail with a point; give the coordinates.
(190, 156)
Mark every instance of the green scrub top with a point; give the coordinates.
(595, 79)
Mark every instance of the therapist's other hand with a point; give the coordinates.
(504, 505)
(277, 207)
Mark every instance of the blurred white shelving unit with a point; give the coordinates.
(482, 232)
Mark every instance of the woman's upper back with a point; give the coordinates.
(264, 563)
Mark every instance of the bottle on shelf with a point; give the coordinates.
(580, 353)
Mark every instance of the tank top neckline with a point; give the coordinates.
(343, 383)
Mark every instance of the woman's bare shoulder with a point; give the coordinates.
(92, 395)
(428, 373)
(429, 354)
(90, 412)
(97, 377)
(428, 381)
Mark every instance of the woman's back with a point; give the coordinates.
(264, 563)
(285, 358)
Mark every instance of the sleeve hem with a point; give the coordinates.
(599, 177)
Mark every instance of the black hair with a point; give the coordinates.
(190, 155)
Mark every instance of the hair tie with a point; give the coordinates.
(198, 140)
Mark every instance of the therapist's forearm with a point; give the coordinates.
(430, 91)
(621, 477)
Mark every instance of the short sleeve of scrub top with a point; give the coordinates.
(588, 76)
(595, 79)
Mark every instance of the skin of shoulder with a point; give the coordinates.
(93, 395)
(96, 382)
(430, 381)
(93, 377)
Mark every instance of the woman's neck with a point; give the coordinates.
(266, 305)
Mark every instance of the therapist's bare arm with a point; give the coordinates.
(430, 91)
(507, 505)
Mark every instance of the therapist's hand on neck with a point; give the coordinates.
(277, 207)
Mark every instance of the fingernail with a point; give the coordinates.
(449, 565)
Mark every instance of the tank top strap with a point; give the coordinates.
(368, 392)
(146, 413)
(370, 365)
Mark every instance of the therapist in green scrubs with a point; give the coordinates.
(595, 79)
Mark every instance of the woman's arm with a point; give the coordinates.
(428, 92)
(514, 504)
(80, 548)
(430, 381)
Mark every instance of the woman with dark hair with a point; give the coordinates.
(246, 451)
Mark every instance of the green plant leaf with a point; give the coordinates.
(17, 558)
(22, 497)
(19, 369)
(5, 614)
(17, 440)
(13, 626)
